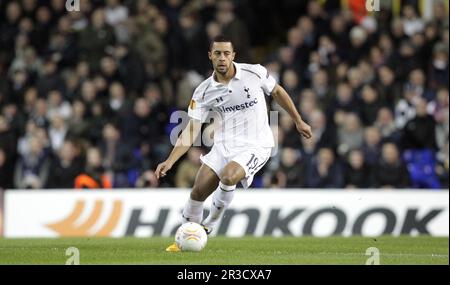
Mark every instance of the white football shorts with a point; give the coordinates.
(252, 159)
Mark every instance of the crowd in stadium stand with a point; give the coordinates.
(86, 97)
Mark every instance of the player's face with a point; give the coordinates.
(221, 56)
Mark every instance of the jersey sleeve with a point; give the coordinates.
(267, 81)
(198, 109)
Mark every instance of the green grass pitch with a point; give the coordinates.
(235, 251)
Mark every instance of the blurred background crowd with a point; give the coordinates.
(86, 96)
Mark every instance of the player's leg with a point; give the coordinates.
(229, 177)
(242, 167)
(205, 183)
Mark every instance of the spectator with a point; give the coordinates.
(153, 96)
(117, 155)
(30, 99)
(293, 169)
(93, 176)
(96, 38)
(419, 132)
(148, 43)
(323, 134)
(291, 83)
(344, 102)
(370, 105)
(19, 82)
(32, 169)
(411, 22)
(234, 28)
(188, 168)
(349, 134)
(194, 40)
(39, 113)
(390, 172)
(96, 122)
(88, 93)
(325, 171)
(358, 48)
(9, 28)
(119, 105)
(78, 125)
(57, 132)
(438, 70)
(339, 35)
(307, 104)
(130, 67)
(58, 107)
(320, 86)
(397, 32)
(439, 109)
(109, 70)
(115, 13)
(41, 28)
(141, 125)
(355, 78)
(358, 174)
(388, 89)
(62, 47)
(327, 52)
(65, 167)
(371, 145)
(386, 124)
(50, 79)
(417, 84)
(404, 110)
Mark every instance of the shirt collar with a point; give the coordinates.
(238, 71)
(237, 75)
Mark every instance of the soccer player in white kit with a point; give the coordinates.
(242, 140)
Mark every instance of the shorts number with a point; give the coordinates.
(253, 162)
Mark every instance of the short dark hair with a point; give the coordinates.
(220, 39)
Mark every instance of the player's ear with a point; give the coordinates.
(209, 55)
(233, 55)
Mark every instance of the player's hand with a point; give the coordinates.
(304, 129)
(162, 169)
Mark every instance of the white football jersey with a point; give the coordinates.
(239, 108)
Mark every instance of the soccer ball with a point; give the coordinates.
(191, 237)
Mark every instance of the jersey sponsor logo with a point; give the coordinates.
(239, 107)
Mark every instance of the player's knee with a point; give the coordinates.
(229, 178)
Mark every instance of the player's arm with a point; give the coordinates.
(184, 142)
(282, 98)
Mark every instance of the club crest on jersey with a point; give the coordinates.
(246, 89)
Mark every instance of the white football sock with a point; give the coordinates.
(193, 211)
(221, 200)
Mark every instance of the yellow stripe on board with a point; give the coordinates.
(421, 7)
(396, 7)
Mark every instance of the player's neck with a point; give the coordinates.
(225, 78)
